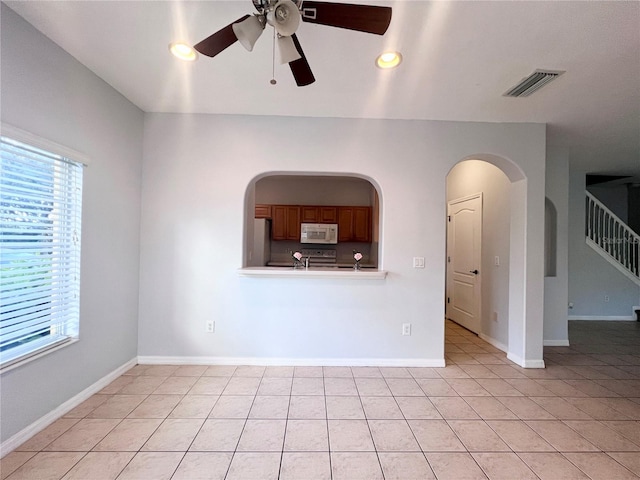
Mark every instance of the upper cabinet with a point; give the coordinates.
(285, 222)
(354, 224)
(311, 214)
(263, 211)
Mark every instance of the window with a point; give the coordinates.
(40, 214)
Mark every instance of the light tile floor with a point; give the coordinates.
(480, 417)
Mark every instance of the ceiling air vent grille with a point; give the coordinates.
(533, 82)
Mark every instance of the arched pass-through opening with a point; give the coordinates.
(351, 201)
(503, 320)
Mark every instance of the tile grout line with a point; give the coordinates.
(245, 420)
(155, 431)
(326, 420)
(286, 421)
(409, 425)
(201, 426)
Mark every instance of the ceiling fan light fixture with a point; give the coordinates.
(388, 60)
(288, 50)
(285, 17)
(183, 51)
(248, 31)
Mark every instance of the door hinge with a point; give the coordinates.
(448, 300)
(449, 217)
(448, 259)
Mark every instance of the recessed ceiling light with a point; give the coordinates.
(183, 51)
(389, 60)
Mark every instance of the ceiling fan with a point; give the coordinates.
(284, 16)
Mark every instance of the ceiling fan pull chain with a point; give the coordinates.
(273, 61)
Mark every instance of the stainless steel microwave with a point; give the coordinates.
(320, 233)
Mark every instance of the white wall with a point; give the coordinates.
(590, 276)
(468, 178)
(196, 172)
(556, 288)
(48, 93)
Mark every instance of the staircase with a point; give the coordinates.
(612, 238)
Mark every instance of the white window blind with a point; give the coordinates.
(40, 214)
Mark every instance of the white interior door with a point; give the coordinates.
(464, 244)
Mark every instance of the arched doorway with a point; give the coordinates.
(478, 222)
(505, 321)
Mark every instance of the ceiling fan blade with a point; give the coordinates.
(223, 38)
(300, 68)
(363, 18)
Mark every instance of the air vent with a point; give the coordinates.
(533, 82)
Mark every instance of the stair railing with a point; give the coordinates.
(607, 231)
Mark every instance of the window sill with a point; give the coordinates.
(315, 272)
(45, 350)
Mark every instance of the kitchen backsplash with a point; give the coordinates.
(281, 251)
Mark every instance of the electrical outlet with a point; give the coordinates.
(211, 326)
(406, 329)
(496, 261)
(495, 316)
(606, 298)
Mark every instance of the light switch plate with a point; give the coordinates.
(418, 262)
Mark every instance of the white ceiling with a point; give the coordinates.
(459, 58)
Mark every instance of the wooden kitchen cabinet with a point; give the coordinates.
(285, 222)
(313, 214)
(308, 214)
(354, 224)
(263, 211)
(328, 215)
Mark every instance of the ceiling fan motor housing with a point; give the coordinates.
(263, 6)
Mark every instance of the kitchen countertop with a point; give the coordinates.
(314, 272)
(321, 265)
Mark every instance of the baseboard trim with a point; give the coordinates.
(43, 422)
(493, 342)
(299, 362)
(606, 318)
(525, 363)
(555, 343)
(534, 364)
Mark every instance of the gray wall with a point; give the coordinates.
(615, 198)
(591, 277)
(556, 287)
(48, 93)
(468, 178)
(313, 190)
(633, 194)
(195, 227)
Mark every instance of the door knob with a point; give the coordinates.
(475, 272)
